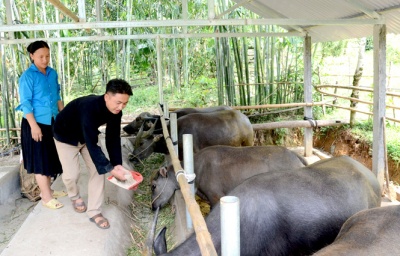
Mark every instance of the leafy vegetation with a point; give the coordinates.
(196, 72)
(141, 208)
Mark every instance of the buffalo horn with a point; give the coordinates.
(150, 132)
(148, 248)
(139, 137)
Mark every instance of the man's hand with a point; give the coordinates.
(119, 172)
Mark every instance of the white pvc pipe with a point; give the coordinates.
(166, 110)
(159, 70)
(174, 131)
(230, 226)
(81, 11)
(189, 169)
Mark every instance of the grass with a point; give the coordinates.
(141, 212)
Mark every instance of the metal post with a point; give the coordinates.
(159, 70)
(308, 132)
(378, 164)
(174, 131)
(230, 226)
(166, 110)
(81, 11)
(189, 169)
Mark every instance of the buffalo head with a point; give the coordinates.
(145, 120)
(163, 187)
(147, 143)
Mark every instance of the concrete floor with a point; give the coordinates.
(64, 232)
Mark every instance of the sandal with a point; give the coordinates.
(58, 193)
(77, 206)
(100, 222)
(53, 204)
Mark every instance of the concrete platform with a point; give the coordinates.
(9, 181)
(64, 232)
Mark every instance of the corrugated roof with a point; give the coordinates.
(328, 10)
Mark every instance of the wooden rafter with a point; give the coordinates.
(64, 9)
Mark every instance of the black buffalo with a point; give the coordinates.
(219, 169)
(185, 111)
(372, 232)
(146, 119)
(294, 212)
(226, 127)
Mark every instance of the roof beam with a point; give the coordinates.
(368, 12)
(148, 36)
(64, 9)
(232, 8)
(275, 14)
(185, 23)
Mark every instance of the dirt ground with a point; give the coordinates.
(341, 142)
(336, 142)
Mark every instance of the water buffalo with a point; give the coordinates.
(369, 232)
(219, 169)
(294, 212)
(185, 111)
(226, 127)
(134, 126)
(144, 119)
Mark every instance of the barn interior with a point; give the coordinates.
(64, 233)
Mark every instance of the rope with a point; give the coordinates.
(162, 190)
(132, 156)
(311, 121)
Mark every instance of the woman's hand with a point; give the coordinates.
(35, 129)
(36, 133)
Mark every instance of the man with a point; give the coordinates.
(76, 131)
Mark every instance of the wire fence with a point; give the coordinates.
(364, 100)
(335, 96)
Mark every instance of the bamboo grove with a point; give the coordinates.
(242, 71)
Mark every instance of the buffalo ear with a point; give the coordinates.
(163, 172)
(128, 128)
(160, 244)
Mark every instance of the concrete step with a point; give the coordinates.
(9, 179)
(64, 232)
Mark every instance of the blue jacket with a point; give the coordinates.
(39, 94)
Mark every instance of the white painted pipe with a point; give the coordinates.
(159, 70)
(230, 226)
(189, 169)
(174, 131)
(166, 110)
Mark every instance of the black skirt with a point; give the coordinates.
(40, 157)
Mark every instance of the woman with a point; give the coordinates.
(40, 102)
